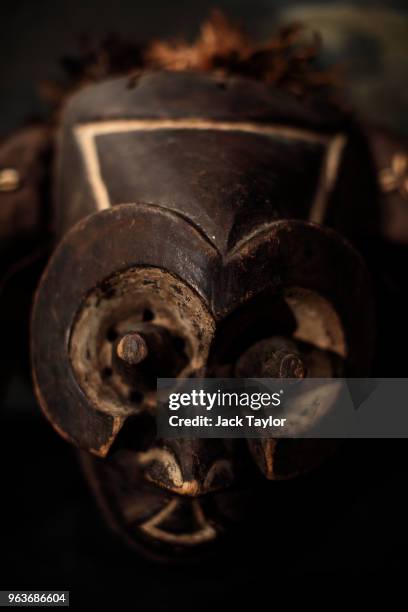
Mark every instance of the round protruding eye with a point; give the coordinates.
(293, 334)
(132, 348)
(147, 352)
(275, 357)
(133, 329)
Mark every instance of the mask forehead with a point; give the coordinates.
(227, 178)
(228, 159)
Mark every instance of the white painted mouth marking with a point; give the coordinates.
(204, 533)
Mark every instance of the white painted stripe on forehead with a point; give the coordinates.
(86, 135)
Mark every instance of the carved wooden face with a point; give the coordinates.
(199, 259)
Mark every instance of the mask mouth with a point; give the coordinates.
(155, 521)
(201, 531)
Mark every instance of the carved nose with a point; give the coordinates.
(188, 467)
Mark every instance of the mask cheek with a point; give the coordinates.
(281, 459)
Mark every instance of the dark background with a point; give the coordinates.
(368, 38)
(347, 520)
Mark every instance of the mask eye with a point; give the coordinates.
(292, 334)
(138, 326)
(298, 329)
